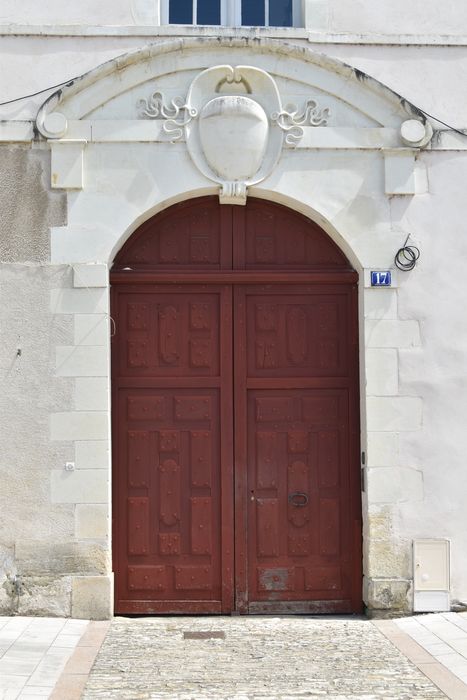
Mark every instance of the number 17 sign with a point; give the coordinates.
(381, 278)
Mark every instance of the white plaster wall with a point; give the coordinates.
(437, 371)
(338, 16)
(417, 478)
(414, 386)
(397, 17)
(432, 77)
(110, 12)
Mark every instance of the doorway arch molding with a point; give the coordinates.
(113, 160)
(275, 197)
(117, 176)
(80, 97)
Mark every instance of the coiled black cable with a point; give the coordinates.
(407, 256)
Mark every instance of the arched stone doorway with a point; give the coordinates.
(235, 415)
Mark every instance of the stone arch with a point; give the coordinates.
(85, 94)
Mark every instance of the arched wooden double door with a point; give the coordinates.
(235, 415)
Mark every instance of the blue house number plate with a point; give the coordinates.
(381, 278)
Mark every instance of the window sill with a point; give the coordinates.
(155, 31)
(175, 30)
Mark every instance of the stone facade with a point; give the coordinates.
(82, 171)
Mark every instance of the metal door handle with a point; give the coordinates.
(298, 499)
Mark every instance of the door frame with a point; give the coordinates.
(233, 598)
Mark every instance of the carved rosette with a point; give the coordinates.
(234, 125)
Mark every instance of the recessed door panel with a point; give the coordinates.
(298, 336)
(168, 334)
(300, 516)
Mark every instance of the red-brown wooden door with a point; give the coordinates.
(293, 431)
(172, 434)
(235, 425)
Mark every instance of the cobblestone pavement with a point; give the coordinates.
(288, 658)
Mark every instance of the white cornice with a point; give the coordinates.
(83, 31)
(15, 131)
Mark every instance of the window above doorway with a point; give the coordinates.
(235, 13)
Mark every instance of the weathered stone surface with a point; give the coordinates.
(387, 558)
(261, 658)
(379, 523)
(45, 595)
(386, 555)
(8, 605)
(37, 557)
(7, 559)
(29, 394)
(34, 486)
(389, 594)
(82, 486)
(27, 205)
(92, 521)
(92, 597)
(29, 390)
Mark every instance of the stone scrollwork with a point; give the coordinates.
(291, 121)
(53, 125)
(415, 133)
(176, 115)
(234, 125)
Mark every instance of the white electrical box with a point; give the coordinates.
(431, 575)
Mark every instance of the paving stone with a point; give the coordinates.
(290, 658)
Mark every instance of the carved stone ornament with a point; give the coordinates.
(234, 125)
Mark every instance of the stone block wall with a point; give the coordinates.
(54, 524)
